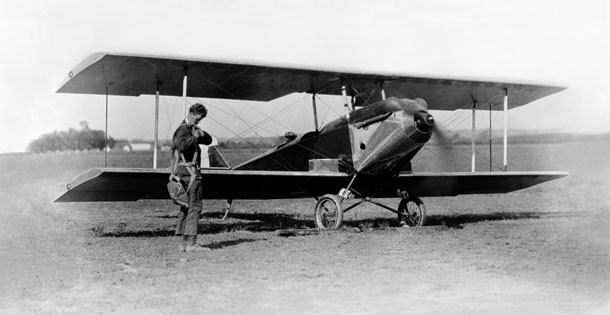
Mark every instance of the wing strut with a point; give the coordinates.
(344, 93)
(315, 110)
(490, 138)
(184, 85)
(505, 129)
(156, 141)
(474, 124)
(106, 138)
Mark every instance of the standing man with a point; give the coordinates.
(185, 142)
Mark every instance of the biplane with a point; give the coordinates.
(365, 154)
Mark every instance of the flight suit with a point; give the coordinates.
(187, 144)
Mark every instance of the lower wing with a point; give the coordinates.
(127, 184)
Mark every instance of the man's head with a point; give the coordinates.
(196, 113)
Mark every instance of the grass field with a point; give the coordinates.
(543, 250)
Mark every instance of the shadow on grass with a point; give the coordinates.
(167, 216)
(460, 219)
(453, 221)
(156, 233)
(253, 222)
(223, 244)
(265, 222)
(236, 222)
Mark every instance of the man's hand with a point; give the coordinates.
(198, 133)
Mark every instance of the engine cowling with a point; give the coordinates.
(386, 133)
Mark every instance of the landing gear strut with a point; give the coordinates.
(227, 209)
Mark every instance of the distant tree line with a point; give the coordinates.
(71, 140)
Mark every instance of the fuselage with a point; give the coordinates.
(380, 138)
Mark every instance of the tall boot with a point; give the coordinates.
(192, 240)
(183, 243)
(192, 244)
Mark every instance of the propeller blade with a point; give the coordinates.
(441, 135)
(442, 150)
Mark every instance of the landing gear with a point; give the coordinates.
(412, 212)
(329, 212)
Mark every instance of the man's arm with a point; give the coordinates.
(184, 139)
(174, 166)
(204, 138)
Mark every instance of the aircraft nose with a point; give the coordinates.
(424, 122)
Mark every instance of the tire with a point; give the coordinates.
(328, 213)
(413, 212)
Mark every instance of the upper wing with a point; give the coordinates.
(133, 75)
(123, 184)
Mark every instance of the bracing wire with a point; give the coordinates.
(330, 108)
(233, 115)
(269, 118)
(259, 124)
(450, 120)
(231, 131)
(282, 111)
(456, 118)
(251, 144)
(278, 113)
(235, 97)
(318, 150)
(170, 120)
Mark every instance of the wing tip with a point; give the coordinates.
(84, 64)
(77, 181)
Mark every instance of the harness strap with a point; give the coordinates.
(191, 167)
(192, 163)
(180, 160)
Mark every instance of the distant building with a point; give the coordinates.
(138, 147)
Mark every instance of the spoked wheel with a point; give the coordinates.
(329, 212)
(413, 212)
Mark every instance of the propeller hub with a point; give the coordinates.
(424, 122)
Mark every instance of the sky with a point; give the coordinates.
(565, 43)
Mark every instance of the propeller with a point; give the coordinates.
(441, 135)
(443, 150)
(442, 147)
